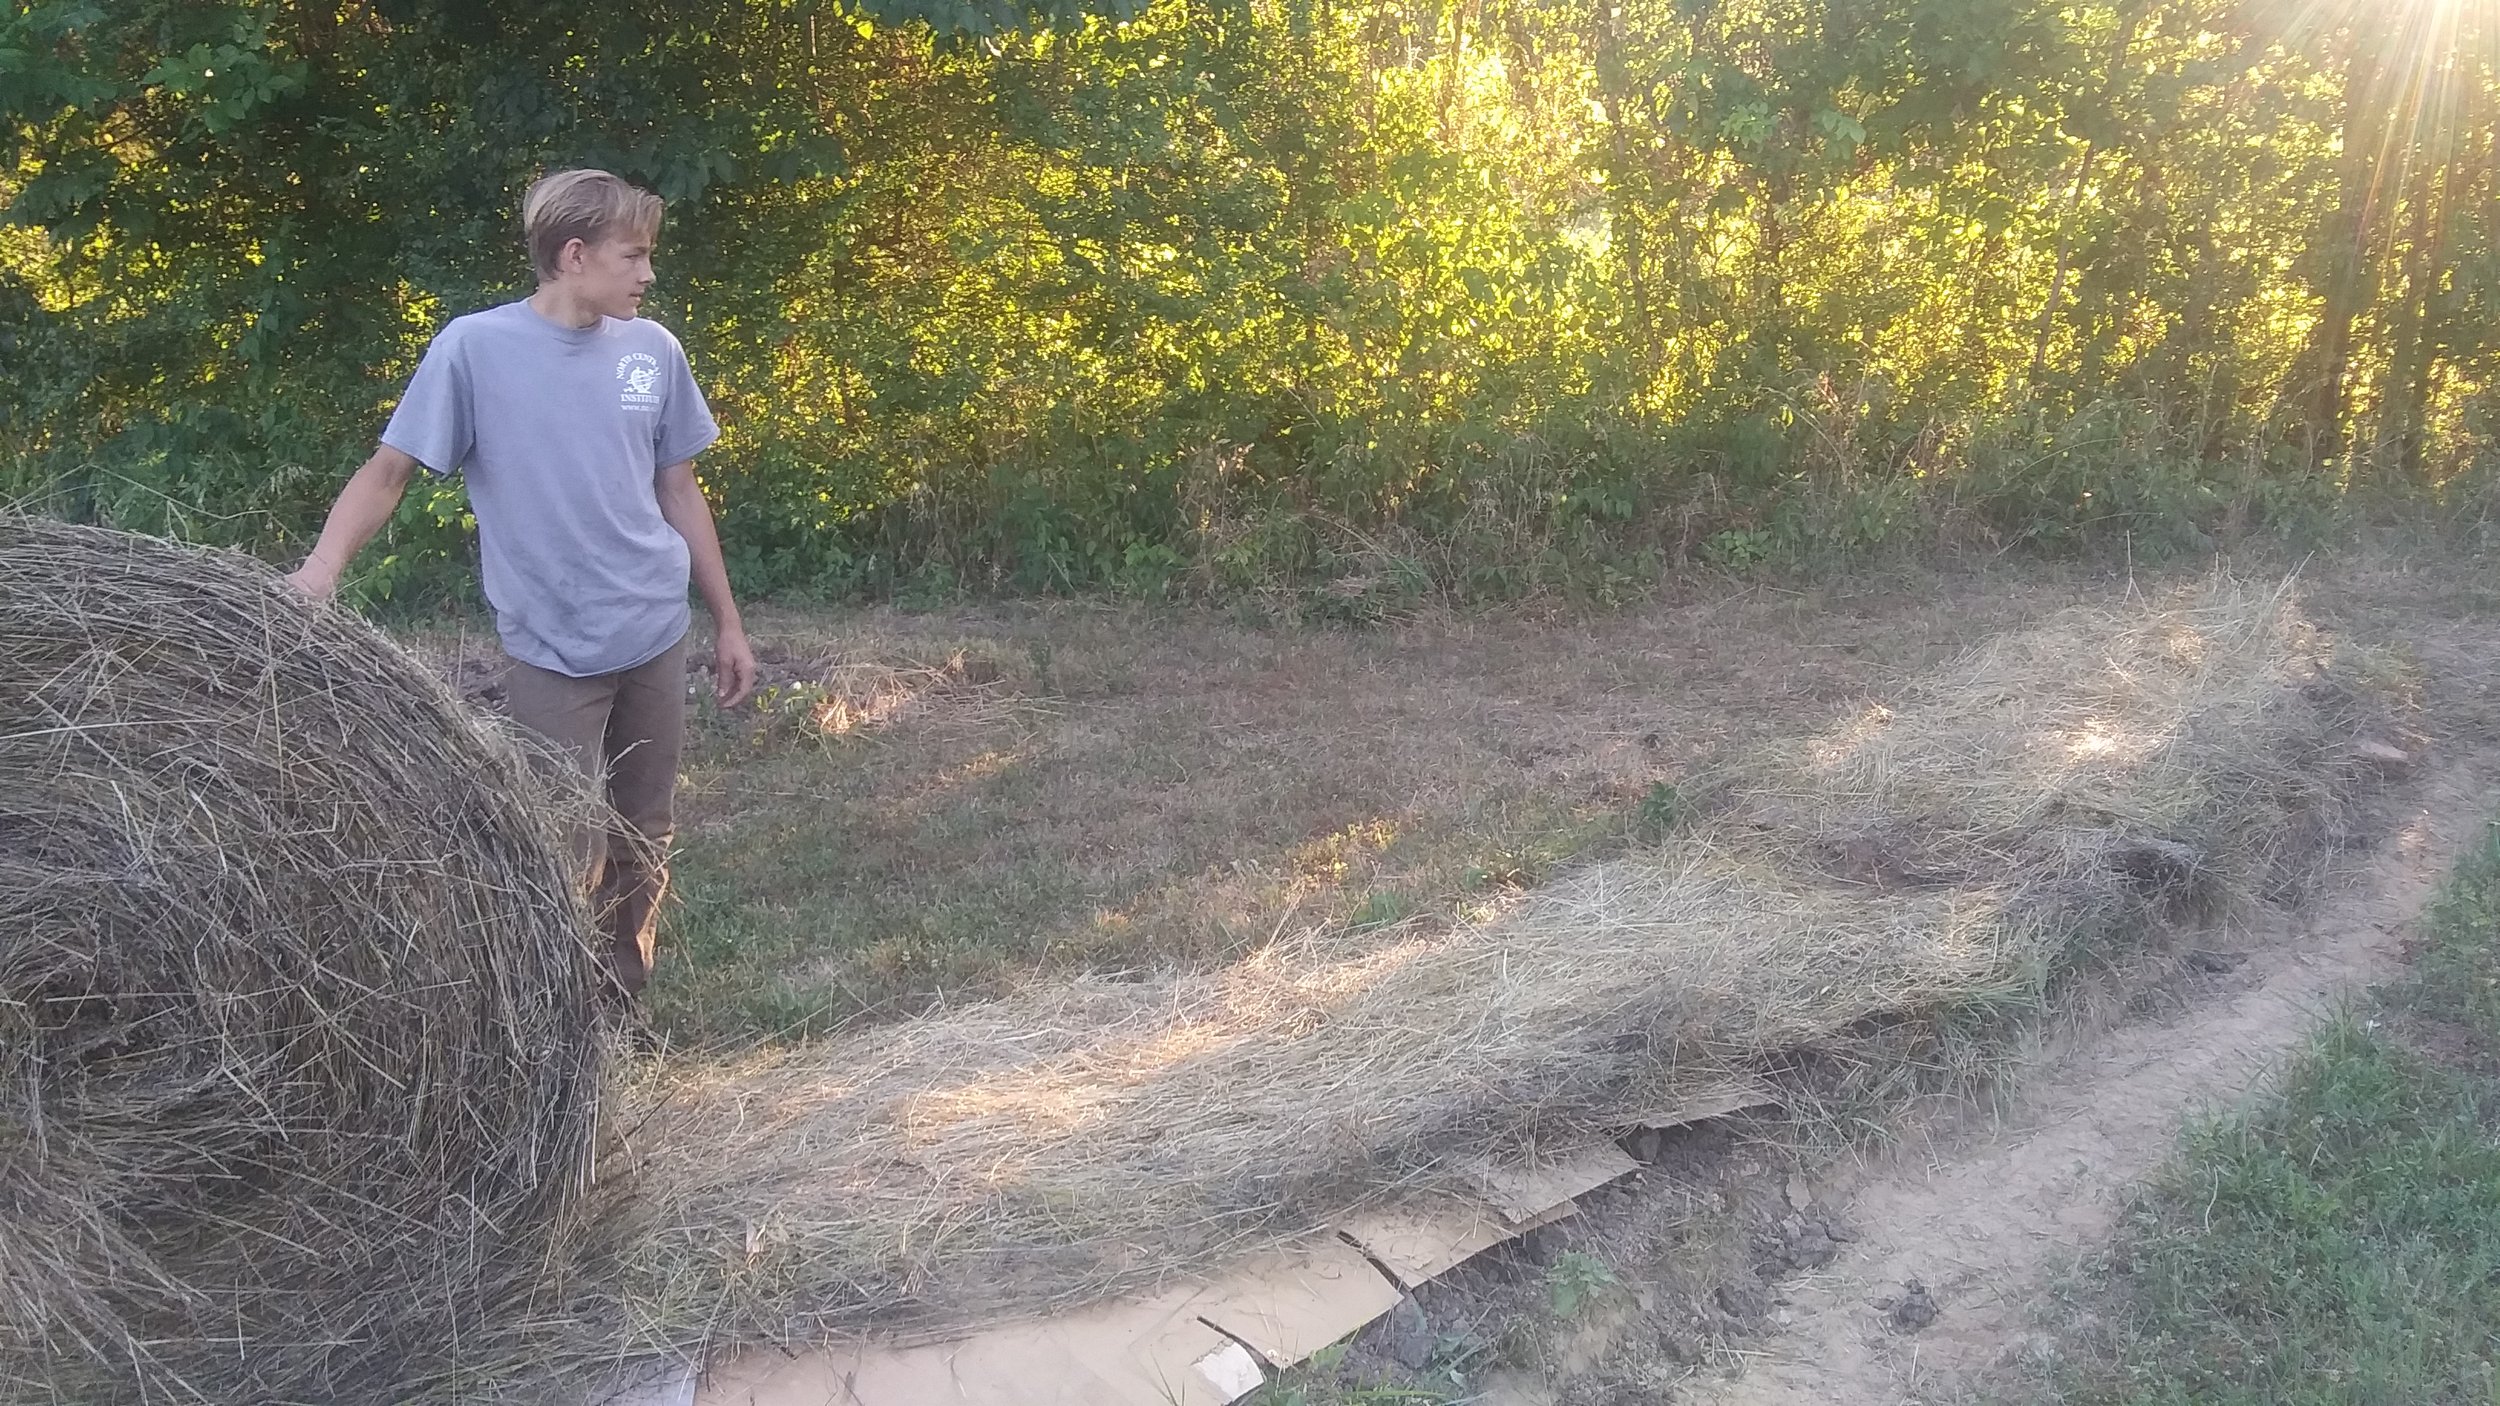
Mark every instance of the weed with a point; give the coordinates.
(1575, 1281)
(1042, 658)
(1318, 1381)
(1738, 548)
(1660, 810)
(931, 585)
(1379, 910)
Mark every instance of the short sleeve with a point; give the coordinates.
(686, 424)
(435, 423)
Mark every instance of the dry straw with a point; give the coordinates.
(298, 1072)
(2055, 790)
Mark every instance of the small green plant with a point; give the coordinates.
(780, 710)
(1379, 910)
(1738, 548)
(1575, 1281)
(932, 585)
(1660, 810)
(1042, 657)
(1147, 569)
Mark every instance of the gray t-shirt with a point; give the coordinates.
(561, 432)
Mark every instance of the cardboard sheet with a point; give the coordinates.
(1168, 1351)
(1290, 1305)
(1149, 1353)
(1523, 1192)
(1717, 1103)
(1419, 1244)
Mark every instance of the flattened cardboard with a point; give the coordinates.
(1418, 1244)
(1289, 1305)
(1158, 1352)
(1565, 1211)
(1151, 1353)
(1523, 1193)
(1716, 1103)
(985, 1371)
(1232, 1371)
(1158, 1349)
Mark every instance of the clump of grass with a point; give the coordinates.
(1048, 1148)
(2337, 1243)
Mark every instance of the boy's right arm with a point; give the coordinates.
(366, 503)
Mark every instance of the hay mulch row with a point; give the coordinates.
(2086, 779)
(299, 1069)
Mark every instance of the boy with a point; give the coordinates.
(576, 424)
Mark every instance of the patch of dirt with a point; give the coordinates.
(1953, 1236)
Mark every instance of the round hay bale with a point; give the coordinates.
(299, 1056)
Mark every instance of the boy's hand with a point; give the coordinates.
(733, 668)
(314, 580)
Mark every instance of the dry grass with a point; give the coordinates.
(1017, 792)
(2100, 768)
(298, 1071)
(2179, 756)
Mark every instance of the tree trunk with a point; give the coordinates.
(2128, 19)
(2349, 268)
(1623, 216)
(2426, 277)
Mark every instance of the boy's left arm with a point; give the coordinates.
(733, 659)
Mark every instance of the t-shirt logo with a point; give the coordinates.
(640, 371)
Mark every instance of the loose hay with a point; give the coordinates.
(298, 1064)
(2097, 762)
(2097, 772)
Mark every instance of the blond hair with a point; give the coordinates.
(590, 206)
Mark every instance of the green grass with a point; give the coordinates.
(2342, 1243)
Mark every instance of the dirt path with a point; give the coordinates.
(1982, 1223)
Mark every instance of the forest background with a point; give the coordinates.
(1339, 303)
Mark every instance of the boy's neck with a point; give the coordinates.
(555, 303)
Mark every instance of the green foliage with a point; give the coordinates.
(1379, 910)
(1337, 310)
(1661, 809)
(1574, 1281)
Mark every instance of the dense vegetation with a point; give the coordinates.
(1384, 296)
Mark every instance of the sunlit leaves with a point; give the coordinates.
(995, 284)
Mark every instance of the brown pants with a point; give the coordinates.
(629, 728)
